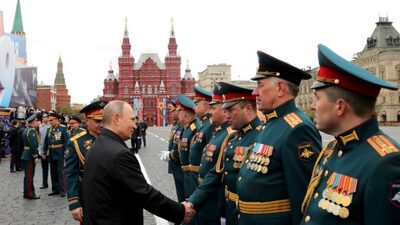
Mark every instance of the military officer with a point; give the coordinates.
(30, 155)
(190, 125)
(74, 123)
(240, 107)
(201, 100)
(174, 164)
(210, 212)
(356, 179)
(54, 146)
(284, 152)
(77, 148)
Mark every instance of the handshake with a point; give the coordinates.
(189, 211)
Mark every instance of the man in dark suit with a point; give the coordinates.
(114, 188)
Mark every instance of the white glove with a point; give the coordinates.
(164, 155)
(223, 220)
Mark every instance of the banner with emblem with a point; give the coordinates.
(161, 112)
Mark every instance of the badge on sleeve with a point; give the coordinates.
(305, 152)
(395, 193)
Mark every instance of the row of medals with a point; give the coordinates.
(209, 155)
(258, 163)
(331, 201)
(238, 161)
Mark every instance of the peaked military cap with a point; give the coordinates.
(94, 110)
(74, 118)
(273, 67)
(184, 103)
(54, 115)
(217, 95)
(31, 117)
(334, 70)
(201, 95)
(232, 94)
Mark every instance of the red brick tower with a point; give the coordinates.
(63, 99)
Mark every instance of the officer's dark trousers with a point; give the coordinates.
(45, 171)
(15, 162)
(134, 144)
(57, 176)
(29, 168)
(144, 140)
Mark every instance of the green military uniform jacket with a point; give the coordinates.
(72, 133)
(174, 165)
(356, 180)
(202, 137)
(55, 142)
(211, 209)
(185, 144)
(273, 181)
(30, 139)
(232, 155)
(77, 148)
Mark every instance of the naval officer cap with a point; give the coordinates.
(184, 103)
(217, 95)
(232, 94)
(270, 66)
(94, 110)
(31, 117)
(201, 95)
(335, 70)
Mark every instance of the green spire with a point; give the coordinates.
(18, 27)
(60, 80)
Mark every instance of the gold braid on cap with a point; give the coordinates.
(269, 73)
(328, 80)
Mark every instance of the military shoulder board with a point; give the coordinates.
(77, 136)
(259, 127)
(193, 126)
(382, 145)
(293, 119)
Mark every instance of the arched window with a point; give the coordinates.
(382, 73)
(143, 89)
(149, 89)
(126, 89)
(173, 89)
(155, 89)
(398, 71)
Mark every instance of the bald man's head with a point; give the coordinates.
(114, 107)
(118, 117)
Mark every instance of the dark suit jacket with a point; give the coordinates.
(115, 190)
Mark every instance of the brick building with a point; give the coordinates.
(148, 83)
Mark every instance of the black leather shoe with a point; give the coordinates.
(12, 171)
(54, 193)
(33, 197)
(43, 187)
(62, 195)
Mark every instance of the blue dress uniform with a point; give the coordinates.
(356, 179)
(272, 183)
(55, 143)
(30, 155)
(185, 144)
(77, 148)
(230, 159)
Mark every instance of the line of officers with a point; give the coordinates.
(227, 164)
(234, 169)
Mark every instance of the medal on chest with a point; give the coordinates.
(259, 158)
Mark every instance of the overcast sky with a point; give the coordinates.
(88, 33)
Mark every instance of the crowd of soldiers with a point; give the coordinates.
(233, 169)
